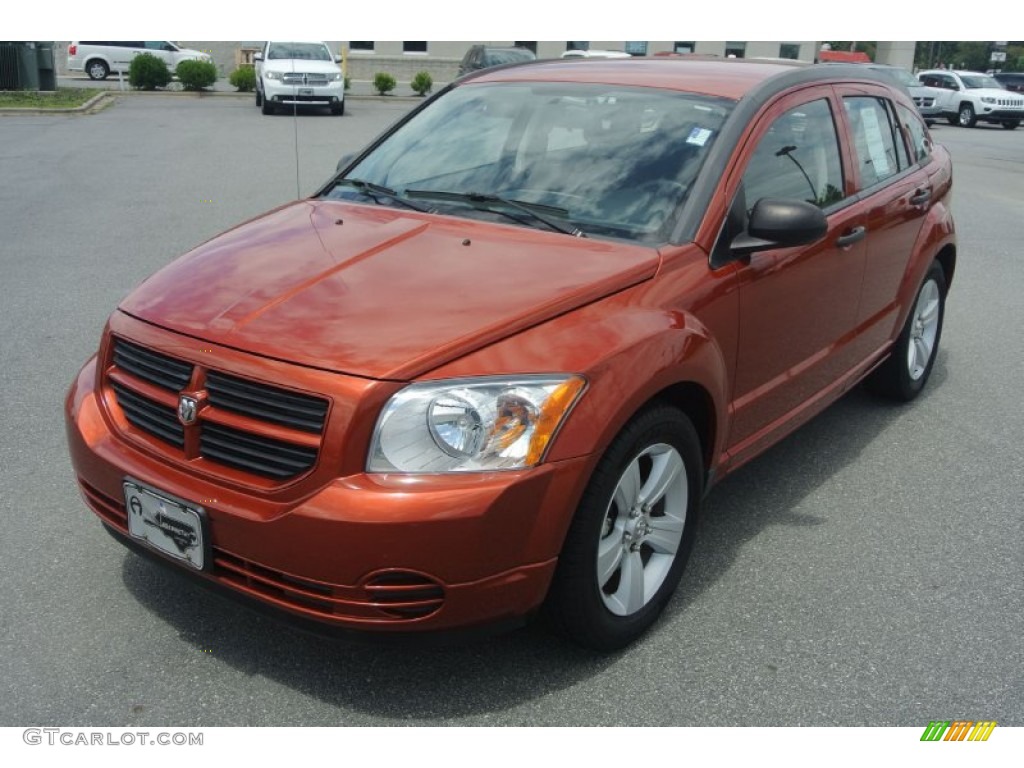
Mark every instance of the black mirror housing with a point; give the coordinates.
(781, 224)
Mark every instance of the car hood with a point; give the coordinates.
(377, 291)
(300, 65)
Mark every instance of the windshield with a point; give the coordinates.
(305, 51)
(980, 81)
(607, 160)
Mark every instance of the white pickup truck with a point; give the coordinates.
(299, 74)
(965, 98)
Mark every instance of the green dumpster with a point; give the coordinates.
(45, 65)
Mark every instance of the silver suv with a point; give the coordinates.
(968, 97)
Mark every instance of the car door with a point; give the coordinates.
(122, 54)
(894, 192)
(798, 306)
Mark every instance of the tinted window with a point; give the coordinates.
(874, 139)
(920, 143)
(797, 159)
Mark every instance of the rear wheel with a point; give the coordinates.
(903, 375)
(632, 534)
(97, 69)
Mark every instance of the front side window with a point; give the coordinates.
(797, 159)
(609, 160)
(874, 139)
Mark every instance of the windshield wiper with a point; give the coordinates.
(479, 199)
(374, 191)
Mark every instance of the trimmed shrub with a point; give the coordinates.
(348, 82)
(244, 78)
(148, 72)
(196, 75)
(422, 83)
(384, 83)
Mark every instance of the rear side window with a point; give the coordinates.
(797, 159)
(920, 143)
(874, 139)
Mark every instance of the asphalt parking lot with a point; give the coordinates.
(866, 571)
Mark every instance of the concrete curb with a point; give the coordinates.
(93, 105)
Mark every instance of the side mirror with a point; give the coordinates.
(344, 161)
(781, 224)
(337, 59)
(257, 57)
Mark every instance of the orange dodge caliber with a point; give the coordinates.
(495, 363)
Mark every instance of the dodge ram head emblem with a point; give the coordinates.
(187, 407)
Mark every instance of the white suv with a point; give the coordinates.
(964, 98)
(299, 73)
(99, 59)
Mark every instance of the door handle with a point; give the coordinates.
(921, 196)
(851, 236)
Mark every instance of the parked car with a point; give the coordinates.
(99, 59)
(303, 73)
(925, 98)
(965, 98)
(1011, 81)
(493, 366)
(484, 56)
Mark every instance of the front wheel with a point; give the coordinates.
(259, 97)
(267, 106)
(967, 118)
(632, 534)
(1011, 124)
(903, 375)
(338, 109)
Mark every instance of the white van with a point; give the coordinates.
(98, 60)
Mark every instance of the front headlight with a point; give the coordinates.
(272, 75)
(471, 425)
(988, 99)
(333, 77)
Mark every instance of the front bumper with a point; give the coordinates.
(371, 552)
(324, 95)
(1000, 114)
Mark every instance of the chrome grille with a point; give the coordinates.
(304, 78)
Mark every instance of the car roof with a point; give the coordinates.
(729, 78)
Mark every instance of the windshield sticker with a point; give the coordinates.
(698, 136)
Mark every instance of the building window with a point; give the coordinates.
(735, 50)
(364, 47)
(636, 49)
(789, 51)
(420, 47)
(683, 47)
(577, 46)
(532, 46)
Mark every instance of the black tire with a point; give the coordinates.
(966, 118)
(1011, 124)
(259, 97)
(579, 605)
(97, 69)
(268, 107)
(901, 377)
(339, 109)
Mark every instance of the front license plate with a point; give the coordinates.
(166, 524)
(305, 91)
